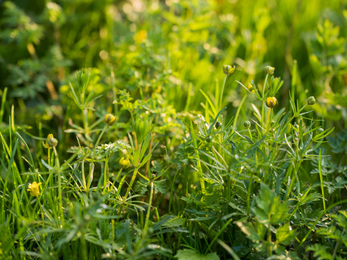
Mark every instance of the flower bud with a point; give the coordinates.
(50, 142)
(125, 163)
(110, 119)
(227, 69)
(247, 124)
(320, 130)
(218, 124)
(250, 87)
(269, 70)
(208, 139)
(83, 77)
(271, 102)
(311, 101)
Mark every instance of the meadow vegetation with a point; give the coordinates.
(173, 129)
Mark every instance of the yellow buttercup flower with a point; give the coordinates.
(34, 188)
(125, 163)
(271, 102)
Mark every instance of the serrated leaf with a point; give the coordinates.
(254, 233)
(189, 254)
(320, 252)
(285, 234)
(160, 186)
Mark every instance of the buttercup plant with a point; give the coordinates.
(34, 188)
(124, 163)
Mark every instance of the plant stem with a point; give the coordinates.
(91, 166)
(106, 179)
(131, 184)
(321, 178)
(269, 239)
(49, 157)
(249, 194)
(222, 93)
(149, 209)
(263, 100)
(335, 250)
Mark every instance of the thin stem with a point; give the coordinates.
(321, 178)
(335, 250)
(84, 252)
(91, 166)
(269, 239)
(249, 193)
(49, 157)
(149, 209)
(97, 142)
(106, 178)
(85, 121)
(131, 184)
(83, 177)
(60, 198)
(117, 176)
(269, 117)
(40, 205)
(56, 157)
(250, 134)
(222, 93)
(263, 100)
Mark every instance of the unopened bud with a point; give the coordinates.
(269, 70)
(311, 100)
(320, 130)
(218, 124)
(110, 119)
(227, 69)
(271, 102)
(250, 87)
(51, 142)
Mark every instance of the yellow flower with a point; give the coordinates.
(50, 142)
(125, 163)
(271, 102)
(250, 87)
(34, 188)
(110, 119)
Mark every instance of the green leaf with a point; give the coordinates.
(270, 209)
(175, 222)
(46, 165)
(285, 234)
(320, 252)
(189, 254)
(254, 233)
(160, 186)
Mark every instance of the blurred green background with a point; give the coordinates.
(184, 42)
